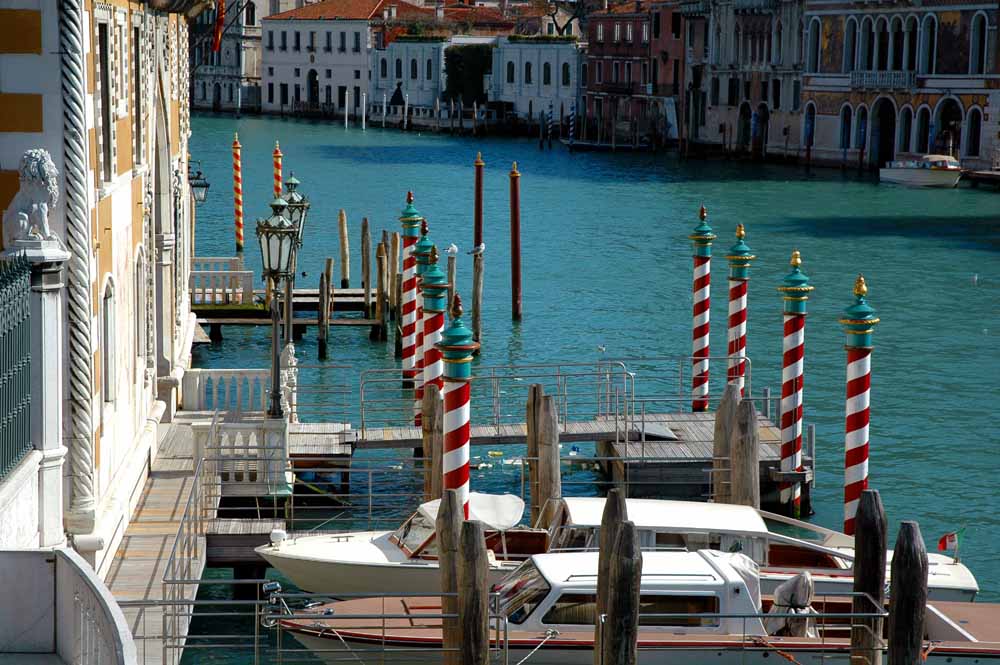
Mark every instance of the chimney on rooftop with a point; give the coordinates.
(439, 10)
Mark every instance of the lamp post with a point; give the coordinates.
(197, 182)
(278, 239)
(297, 211)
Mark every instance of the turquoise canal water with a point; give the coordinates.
(606, 262)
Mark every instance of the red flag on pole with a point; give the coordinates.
(220, 21)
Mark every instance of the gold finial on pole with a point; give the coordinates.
(860, 286)
(796, 259)
(434, 254)
(423, 227)
(456, 307)
(409, 197)
(479, 159)
(740, 233)
(702, 213)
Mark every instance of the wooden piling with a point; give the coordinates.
(744, 455)
(345, 251)
(615, 514)
(448, 526)
(473, 595)
(620, 641)
(477, 215)
(323, 330)
(870, 541)
(378, 331)
(432, 440)
(535, 395)
(452, 272)
(515, 243)
(393, 271)
(477, 298)
(549, 478)
(725, 423)
(907, 596)
(366, 265)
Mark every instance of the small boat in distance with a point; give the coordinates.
(928, 171)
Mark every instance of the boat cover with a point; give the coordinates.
(497, 511)
(793, 596)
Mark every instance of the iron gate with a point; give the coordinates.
(15, 363)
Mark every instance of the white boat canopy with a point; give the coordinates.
(676, 516)
(497, 511)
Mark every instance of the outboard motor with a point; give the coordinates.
(793, 597)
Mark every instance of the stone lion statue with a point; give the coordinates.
(27, 217)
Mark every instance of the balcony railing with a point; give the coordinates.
(694, 8)
(754, 6)
(876, 80)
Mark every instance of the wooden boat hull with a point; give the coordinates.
(920, 177)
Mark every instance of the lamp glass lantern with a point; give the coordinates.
(199, 186)
(298, 207)
(278, 238)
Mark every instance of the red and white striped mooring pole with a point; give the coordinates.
(795, 289)
(859, 323)
(701, 289)
(422, 256)
(276, 159)
(739, 258)
(410, 219)
(434, 288)
(238, 192)
(457, 347)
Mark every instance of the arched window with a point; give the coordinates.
(203, 92)
(139, 316)
(583, 72)
(800, 54)
(527, 73)
(776, 45)
(910, 35)
(845, 127)
(882, 44)
(108, 343)
(923, 129)
(812, 61)
(977, 45)
(861, 130)
(737, 45)
(896, 42)
(928, 44)
(413, 68)
(565, 73)
(510, 71)
(973, 132)
(429, 73)
(399, 68)
(251, 15)
(905, 129)
(866, 50)
(546, 74)
(383, 68)
(850, 45)
(808, 127)
(717, 47)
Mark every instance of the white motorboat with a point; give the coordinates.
(928, 171)
(694, 607)
(782, 546)
(404, 560)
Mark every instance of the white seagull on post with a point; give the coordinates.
(452, 249)
(480, 248)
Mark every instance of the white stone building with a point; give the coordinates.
(533, 73)
(317, 58)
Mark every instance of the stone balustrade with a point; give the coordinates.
(882, 80)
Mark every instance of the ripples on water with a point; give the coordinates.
(606, 261)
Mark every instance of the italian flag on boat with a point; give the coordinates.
(949, 541)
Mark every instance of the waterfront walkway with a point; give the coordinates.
(138, 569)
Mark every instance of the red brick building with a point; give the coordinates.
(667, 61)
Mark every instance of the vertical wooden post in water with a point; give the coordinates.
(535, 395)
(432, 431)
(725, 424)
(449, 532)
(323, 331)
(870, 541)
(452, 275)
(378, 331)
(620, 642)
(907, 597)
(615, 514)
(393, 271)
(345, 251)
(473, 595)
(745, 454)
(515, 243)
(477, 298)
(477, 219)
(549, 478)
(366, 267)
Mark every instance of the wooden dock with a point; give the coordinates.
(138, 568)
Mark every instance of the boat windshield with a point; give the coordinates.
(414, 533)
(521, 592)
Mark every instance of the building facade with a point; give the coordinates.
(228, 79)
(95, 195)
(744, 75)
(533, 75)
(887, 82)
(410, 72)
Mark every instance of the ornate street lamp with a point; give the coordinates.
(278, 244)
(197, 182)
(298, 206)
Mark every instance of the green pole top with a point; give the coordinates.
(422, 249)
(740, 256)
(457, 344)
(292, 182)
(278, 205)
(434, 285)
(410, 217)
(859, 319)
(795, 287)
(702, 235)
